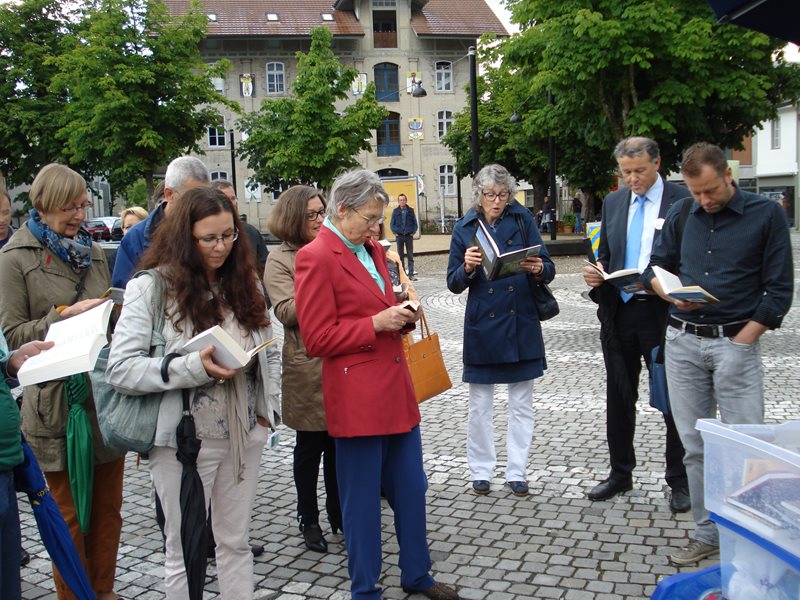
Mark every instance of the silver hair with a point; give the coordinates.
(491, 176)
(636, 146)
(354, 189)
(184, 168)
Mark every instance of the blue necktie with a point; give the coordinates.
(634, 244)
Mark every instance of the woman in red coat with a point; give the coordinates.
(348, 316)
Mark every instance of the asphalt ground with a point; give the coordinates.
(555, 543)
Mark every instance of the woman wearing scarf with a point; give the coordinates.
(49, 271)
(209, 279)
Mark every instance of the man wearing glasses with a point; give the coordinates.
(183, 173)
(631, 325)
(250, 231)
(404, 226)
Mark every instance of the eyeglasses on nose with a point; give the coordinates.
(313, 216)
(71, 210)
(210, 241)
(491, 196)
(371, 222)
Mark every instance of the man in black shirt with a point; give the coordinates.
(736, 246)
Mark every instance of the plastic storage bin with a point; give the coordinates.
(754, 568)
(752, 478)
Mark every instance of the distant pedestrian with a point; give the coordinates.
(736, 246)
(503, 341)
(547, 215)
(404, 225)
(577, 210)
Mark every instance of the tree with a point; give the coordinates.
(140, 93)
(302, 138)
(31, 33)
(659, 68)
(517, 145)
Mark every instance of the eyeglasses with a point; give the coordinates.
(71, 210)
(313, 216)
(210, 241)
(491, 196)
(373, 221)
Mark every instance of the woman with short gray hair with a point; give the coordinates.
(502, 333)
(348, 315)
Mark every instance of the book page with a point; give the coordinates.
(83, 325)
(260, 347)
(486, 243)
(668, 281)
(227, 353)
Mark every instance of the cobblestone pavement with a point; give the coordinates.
(553, 544)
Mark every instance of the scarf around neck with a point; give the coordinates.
(76, 252)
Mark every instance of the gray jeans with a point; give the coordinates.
(703, 374)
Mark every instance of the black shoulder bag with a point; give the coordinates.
(546, 303)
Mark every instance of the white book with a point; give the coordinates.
(227, 353)
(672, 286)
(78, 340)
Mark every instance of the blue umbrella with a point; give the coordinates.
(53, 529)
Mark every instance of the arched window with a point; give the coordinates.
(389, 135)
(276, 78)
(444, 76)
(386, 83)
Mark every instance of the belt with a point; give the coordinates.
(708, 331)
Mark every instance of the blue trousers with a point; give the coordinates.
(363, 466)
(9, 539)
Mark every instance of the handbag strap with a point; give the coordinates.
(157, 301)
(424, 330)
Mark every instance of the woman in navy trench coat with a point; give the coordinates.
(502, 333)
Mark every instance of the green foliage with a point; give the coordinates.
(301, 138)
(568, 219)
(140, 93)
(658, 68)
(31, 33)
(136, 194)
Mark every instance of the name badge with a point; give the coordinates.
(659, 224)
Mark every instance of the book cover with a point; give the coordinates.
(771, 498)
(672, 286)
(495, 263)
(77, 343)
(227, 353)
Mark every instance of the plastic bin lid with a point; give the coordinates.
(783, 435)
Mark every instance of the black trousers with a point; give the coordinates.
(638, 325)
(405, 245)
(309, 447)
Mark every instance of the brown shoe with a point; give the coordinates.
(438, 591)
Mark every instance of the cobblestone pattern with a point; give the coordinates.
(553, 544)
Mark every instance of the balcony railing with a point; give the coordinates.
(385, 39)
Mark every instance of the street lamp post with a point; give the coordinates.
(233, 163)
(551, 147)
(473, 106)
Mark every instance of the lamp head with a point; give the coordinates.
(418, 91)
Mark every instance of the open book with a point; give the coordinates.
(227, 353)
(495, 264)
(672, 286)
(77, 340)
(627, 280)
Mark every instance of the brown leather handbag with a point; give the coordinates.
(426, 364)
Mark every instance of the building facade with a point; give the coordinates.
(401, 45)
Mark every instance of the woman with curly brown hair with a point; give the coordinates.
(209, 279)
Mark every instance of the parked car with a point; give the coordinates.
(116, 230)
(98, 229)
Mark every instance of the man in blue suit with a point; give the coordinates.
(633, 324)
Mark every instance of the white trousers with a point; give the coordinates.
(231, 506)
(481, 455)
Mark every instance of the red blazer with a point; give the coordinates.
(366, 387)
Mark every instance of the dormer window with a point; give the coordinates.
(327, 16)
(212, 17)
(272, 17)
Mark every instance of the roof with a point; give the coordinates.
(430, 18)
(249, 17)
(469, 18)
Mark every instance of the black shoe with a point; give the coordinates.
(336, 524)
(608, 488)
(312, 534)
(679, 501)
(257, 549)
(438, 591)
(24, 557)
